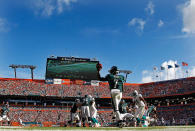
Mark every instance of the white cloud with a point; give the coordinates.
(167, 74)
(3, 25)
(192, 71)
(144, 72)
(160, 23)
(150, 8)
(147, 79)
(188, 12)
(139, 23)
(62, 3)
(147, 76)
(49, 7)
(46, 8)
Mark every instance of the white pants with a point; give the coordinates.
(126, 115)
(93, 111)
(116, 98)
(85, 111)
(20, 120)
(5, 118)
(140, 112)
(74, 116)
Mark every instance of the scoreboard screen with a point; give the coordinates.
(72, 68)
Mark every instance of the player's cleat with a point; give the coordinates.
(121, 124)
(90, 124)
(78, 124)
(84, 125)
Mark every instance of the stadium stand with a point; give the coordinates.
(168, 88)
(175, 99)
(39, 88)
(38, 115)
(182, 114)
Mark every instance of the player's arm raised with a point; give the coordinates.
(103, 78)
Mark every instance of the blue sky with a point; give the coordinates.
(135, 35)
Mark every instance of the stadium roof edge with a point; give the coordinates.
(157, 82)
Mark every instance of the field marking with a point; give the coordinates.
(157, 128)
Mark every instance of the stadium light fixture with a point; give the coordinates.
(31, 67)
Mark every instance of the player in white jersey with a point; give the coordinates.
(92, 108)
(173, 122)
(21, 123)
(141, 104)
(162, 121)
(148, 118)
(93, 112)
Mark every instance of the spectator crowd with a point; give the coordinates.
(181, 114)
(39, 88)
(177, 114)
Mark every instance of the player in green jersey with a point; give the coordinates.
(85, 112)
(116, 82)
(4, 113)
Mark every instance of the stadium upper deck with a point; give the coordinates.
(27, 87)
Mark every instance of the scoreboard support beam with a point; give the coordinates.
(15, 72)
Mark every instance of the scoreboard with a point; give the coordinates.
(72, 68)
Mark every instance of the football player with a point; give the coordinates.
(116, 82)
(4, 113)
(85, 112)
(74, 113)
(141, 104)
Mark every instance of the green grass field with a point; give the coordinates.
(156, 128)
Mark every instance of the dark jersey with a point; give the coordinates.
(74, 108)
(151, 110)
(115, 81)
(4, 111)
(85, 101)
(123, 108)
